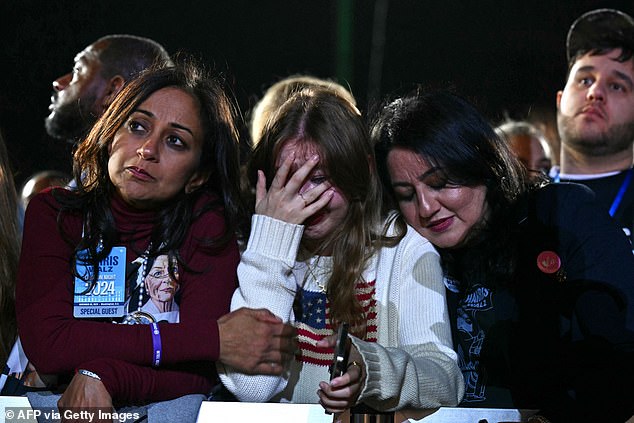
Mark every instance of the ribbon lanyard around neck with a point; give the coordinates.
(619, 195)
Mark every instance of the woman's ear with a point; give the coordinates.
(196, 181)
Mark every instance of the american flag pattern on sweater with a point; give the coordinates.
(314, 323)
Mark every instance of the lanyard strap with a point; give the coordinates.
(619, 195)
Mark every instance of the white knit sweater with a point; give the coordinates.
(412, 364)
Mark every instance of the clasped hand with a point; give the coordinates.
(268, 348)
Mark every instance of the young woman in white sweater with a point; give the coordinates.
(321, 252)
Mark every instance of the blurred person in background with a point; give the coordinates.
(40, 181)
(529, 145)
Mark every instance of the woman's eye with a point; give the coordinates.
(403, 197)
(317, 180)
(175, 141)
(135, 126)
(438, 182)
(438, 186)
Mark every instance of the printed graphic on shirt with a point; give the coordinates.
(471, 338)
(314, 322)
(153, 292)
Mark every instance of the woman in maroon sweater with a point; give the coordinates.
(156, 176)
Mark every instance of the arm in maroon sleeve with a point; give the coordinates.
(56, 342)
(137, 384)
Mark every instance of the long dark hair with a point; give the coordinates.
(219, 159)
(451, 134)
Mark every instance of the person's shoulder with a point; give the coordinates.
(209, 215)
(564, 192)
(565, 204)
(49, 198)
(410, 237)
(46, 206)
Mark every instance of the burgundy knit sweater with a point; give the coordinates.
(57, 343)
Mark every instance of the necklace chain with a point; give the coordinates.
(320, 284)
(141, 275)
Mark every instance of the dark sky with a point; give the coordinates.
(506, 56)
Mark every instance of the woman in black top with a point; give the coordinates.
(540, 280)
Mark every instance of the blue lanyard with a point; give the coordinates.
(619, 195)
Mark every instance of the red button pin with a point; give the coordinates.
(548, 261)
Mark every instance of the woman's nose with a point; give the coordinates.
(427, 205)
(148, 150)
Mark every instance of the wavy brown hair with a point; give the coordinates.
(335, 126)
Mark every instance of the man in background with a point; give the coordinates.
(595, 111)
(99, 72)
(528, 144)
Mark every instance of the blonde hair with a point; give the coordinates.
(281, 91)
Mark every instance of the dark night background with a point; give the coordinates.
(507, 57)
